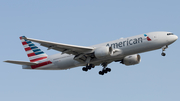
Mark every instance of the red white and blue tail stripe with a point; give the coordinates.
(33, 52)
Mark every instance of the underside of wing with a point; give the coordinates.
(21, 62)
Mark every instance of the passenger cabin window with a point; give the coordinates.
(169, 33)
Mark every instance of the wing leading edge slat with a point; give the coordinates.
(66, 48)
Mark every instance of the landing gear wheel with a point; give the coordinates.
(163, 49)
(108, 69)
(101, 73)
(84, 69)
(105, 71)
(88, 67)
(92, 65)
(163, 54)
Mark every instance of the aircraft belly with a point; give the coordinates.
(46, 67)
(65, 63)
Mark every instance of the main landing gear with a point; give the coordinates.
(105, 69)
(88, 67)
(102, 72)
(163, 49)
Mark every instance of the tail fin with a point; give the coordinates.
(33, 52)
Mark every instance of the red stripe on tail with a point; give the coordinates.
(24, 43)
(20, 38)
(27, 49)
(41, 58)
(41, 64)
(31, 54)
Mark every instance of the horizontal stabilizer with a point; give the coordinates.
(21, 62)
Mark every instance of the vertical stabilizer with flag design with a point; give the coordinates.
(33, 52)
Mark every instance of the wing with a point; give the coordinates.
(21, 62)
(64, 48)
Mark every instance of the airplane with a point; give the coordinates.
(123, 50)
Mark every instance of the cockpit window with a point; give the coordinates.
(170, 34)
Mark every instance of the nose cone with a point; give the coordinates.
(175, 37)
(172, 38)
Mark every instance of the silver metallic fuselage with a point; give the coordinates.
(127, 46)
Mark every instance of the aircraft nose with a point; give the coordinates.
(172, 38)
(175, 37)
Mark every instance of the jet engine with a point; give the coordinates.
(131, 59)
(102, 52)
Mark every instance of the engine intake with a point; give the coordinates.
(131, 59)
(102, 52)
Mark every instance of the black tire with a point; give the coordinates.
(101, 73)
(108, 69)
(89, 67)
(105, 71)
(84, 69)
(163, 54)
(92, 65)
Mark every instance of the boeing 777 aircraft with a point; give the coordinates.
(124, 50)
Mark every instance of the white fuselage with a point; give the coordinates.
(127, 46)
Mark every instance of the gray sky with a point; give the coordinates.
(85, 23)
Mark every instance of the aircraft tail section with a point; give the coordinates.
(33, 52)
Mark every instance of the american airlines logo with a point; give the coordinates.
(129, 42)
(147, 37)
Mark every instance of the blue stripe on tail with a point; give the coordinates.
(36, 50)
(39, 53)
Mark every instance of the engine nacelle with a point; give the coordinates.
(102, 52)
(132, 59)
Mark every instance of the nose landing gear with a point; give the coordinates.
(163, 49)
(163, 54)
